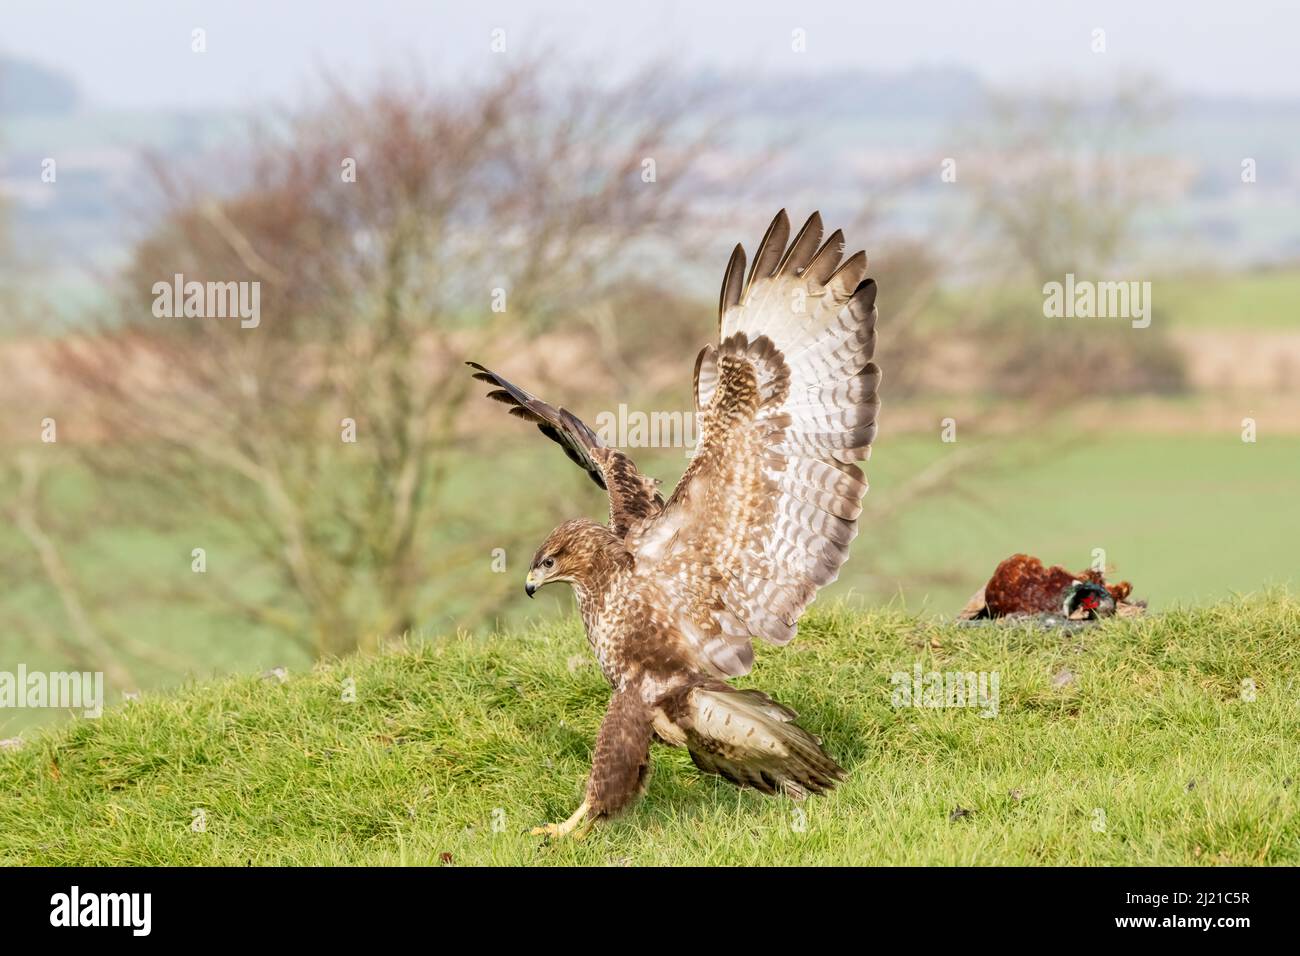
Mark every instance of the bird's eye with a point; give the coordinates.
(548, 563)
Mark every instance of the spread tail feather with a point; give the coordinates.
(752, 741)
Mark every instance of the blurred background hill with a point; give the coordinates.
(502, 210)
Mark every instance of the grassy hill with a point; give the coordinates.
(1169, 740)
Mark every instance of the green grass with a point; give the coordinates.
(1264, 299)
(450, 736)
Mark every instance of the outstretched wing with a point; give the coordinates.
(787, 403)
(633, 497)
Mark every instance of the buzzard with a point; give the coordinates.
(673, 592)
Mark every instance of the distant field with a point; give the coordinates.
(1264, 300)
(1166, 741)
(1252, 300)
(1188, 519)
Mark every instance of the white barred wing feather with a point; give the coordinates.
(787, 402)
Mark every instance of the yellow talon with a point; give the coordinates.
(556, 831)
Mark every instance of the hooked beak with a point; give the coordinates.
(532, 582)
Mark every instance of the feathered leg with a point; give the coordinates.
(620, 766)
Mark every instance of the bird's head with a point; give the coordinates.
(566, 553)
(1084, 600)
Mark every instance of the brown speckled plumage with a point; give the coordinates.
(672, 593)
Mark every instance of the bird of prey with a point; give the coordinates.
(672, 592)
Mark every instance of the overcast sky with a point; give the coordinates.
(136, 53)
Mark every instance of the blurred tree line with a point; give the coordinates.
(308, 473)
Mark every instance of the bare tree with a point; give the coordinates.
(1061, 179)
(1060, 182)
(391, 236)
